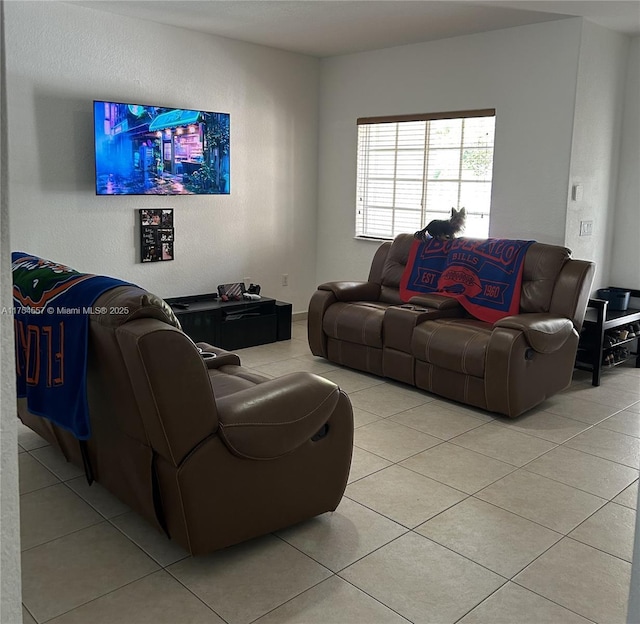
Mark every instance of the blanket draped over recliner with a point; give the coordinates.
(52, 303)
(485, 275)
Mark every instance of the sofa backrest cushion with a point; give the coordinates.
(572, 291)
(542, 266)
(110, 392)
(127, 303)
(393, 268)
(146, 383)
(171, 384)
(378, 262)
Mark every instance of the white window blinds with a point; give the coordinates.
(413, 169)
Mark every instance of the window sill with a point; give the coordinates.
(372, 239)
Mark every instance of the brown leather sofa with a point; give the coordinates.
(204, 449)
(432, 343)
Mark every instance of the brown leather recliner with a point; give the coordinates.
(206, 450)
(432, 343)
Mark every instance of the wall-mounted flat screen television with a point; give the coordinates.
(151, 150)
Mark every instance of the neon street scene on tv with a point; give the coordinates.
(148, 150)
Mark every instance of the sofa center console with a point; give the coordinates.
(400, 322)
(232, 324)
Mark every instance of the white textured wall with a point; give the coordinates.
(625, 268)
(61, 57)
(528, 74)
(10, 583)
(596, 148)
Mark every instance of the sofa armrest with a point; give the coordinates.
(438, 302)
(274, 418)
(215, 357)
(544, 332)
(353, 291)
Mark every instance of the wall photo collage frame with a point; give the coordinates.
(156, 235)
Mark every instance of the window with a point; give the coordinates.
(415, 168)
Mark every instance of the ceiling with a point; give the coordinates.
(324, 28)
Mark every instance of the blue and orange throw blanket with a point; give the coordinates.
(52, 303)
(485, 275)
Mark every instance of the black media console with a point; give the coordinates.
(232, 324)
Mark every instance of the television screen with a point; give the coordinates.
(150, 150)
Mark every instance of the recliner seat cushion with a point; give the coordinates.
(230, 379)
(454, 344)
(359, 322)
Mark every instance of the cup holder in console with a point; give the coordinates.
(206, 355)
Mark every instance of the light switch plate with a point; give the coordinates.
(576, 192)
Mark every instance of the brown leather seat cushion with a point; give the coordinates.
(455, 344)
(231, 379)
(359, 322)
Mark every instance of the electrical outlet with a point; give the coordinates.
(586, 228)
(285, 279)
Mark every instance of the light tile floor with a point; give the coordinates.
(450, 515)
